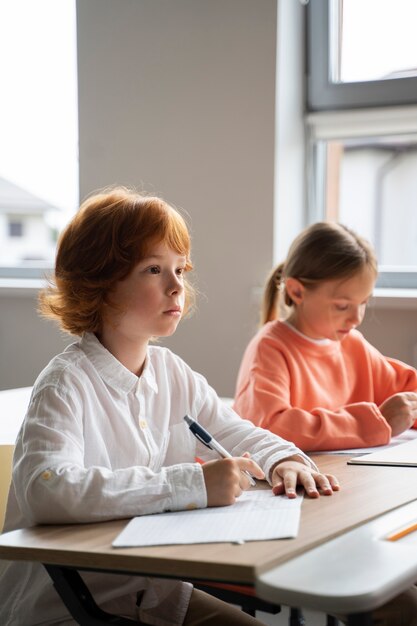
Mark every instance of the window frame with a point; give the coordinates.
(348, 110)
(325, 95)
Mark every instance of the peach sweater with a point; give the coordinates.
(320, 396)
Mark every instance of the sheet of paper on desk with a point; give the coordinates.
(256, 516)
(407, 435)
(403, 455)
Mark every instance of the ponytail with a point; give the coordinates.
(270, 299)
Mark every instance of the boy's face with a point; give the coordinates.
(333, 308)
(151, 296)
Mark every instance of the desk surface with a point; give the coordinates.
(367, 492)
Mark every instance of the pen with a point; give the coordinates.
(209, 441)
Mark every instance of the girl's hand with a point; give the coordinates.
(225, 481)
(288, 474)
(400, 411)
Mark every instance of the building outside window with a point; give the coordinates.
(38, 129)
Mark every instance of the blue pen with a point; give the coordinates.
(209, 441)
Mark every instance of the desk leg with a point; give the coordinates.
(360, 619)
(79, 601)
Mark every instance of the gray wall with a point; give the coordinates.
(178, 97)
(27, 342)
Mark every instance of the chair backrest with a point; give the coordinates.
(13, 406)
(6, 457)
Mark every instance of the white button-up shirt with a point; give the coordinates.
(99, 443)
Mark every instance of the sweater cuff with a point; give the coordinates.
(188, 487)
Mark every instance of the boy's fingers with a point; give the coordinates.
(334, 483)
(251, 467)
(278, 489)
(307, 481)
(324, 484)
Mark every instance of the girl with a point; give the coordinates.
(312, 377)
(104, 435)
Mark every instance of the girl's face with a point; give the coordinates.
(151, 297)
(333, 308)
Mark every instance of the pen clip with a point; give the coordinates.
(197, 436)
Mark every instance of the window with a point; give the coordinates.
(361, 53)
(362, 126)
(38, 130)
(15, 228)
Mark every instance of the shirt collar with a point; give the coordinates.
(318, 342)
(112, 371)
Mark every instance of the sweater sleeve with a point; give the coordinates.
(390, 376)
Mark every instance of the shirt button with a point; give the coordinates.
(143, 424)
(46, 475)
(191, 506)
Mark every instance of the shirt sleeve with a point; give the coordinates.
(56, 485)
(238, 435)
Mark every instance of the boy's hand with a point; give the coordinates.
(288, 474)
(225, 481)
(400, 411)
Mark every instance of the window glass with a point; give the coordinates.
(361, 100)
(354, 47)
(370, 184)
(38, 129)
(15, 228)
(373, 40)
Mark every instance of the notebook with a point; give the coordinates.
(257, 515)
(404, 454)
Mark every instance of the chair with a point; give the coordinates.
(244, 596)
(13, 405)
(6, 456)
(241, 595)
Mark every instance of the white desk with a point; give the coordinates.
(353, 573)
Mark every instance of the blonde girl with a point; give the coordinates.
(308, 374)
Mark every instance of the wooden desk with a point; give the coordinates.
(367, 492)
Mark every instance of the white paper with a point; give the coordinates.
(256, 516)
(403, 455)
(407, 435)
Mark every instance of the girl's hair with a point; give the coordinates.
(323, 251)
(112, 231)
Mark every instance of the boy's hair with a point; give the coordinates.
(323, 251)
(112, 231)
